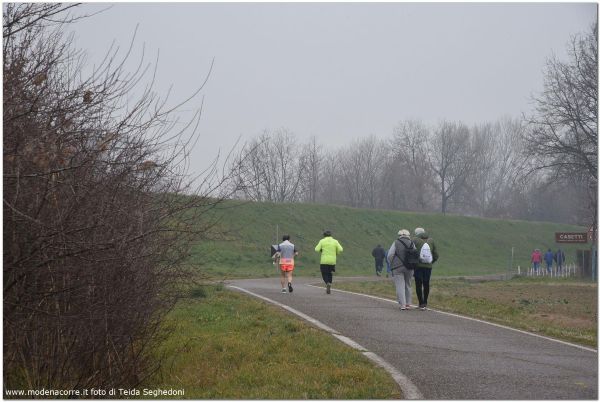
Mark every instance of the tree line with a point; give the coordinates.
(537, 167)
(450, 168)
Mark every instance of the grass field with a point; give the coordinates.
(467, 246)
(560, 308)
(224, 345)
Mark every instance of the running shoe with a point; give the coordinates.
(290, 288)
(283, 290)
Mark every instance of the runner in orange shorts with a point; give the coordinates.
(287, 252)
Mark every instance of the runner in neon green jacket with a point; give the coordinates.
(329, 249)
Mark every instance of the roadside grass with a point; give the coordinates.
(564, 309)
(224, 345)
(467, 245)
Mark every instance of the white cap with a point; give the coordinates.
(403, 232)
(418, 231)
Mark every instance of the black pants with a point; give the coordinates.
(378, 266)
(422, 276)
(327, 272)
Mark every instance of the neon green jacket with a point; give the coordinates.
(329, 249)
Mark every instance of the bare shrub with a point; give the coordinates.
(98, 210)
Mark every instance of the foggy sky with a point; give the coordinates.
(339, 71)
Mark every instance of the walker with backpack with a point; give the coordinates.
(413, 256)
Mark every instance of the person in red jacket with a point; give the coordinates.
(536, 259)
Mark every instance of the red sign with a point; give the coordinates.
(568, 237)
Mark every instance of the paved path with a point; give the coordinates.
(445, 356)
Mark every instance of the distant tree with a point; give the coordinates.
(252, 180)
(410, 154)
(285, 166)
(498, 166)
(562, 134)
(375, 153)
(351, 173)
(268, 168)
(361, 171)
(555, 199)
(330, 184)
(394, 184)
(451, 159)
(311, 169)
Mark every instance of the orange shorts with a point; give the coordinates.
(286, 264)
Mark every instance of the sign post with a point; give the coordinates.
(574, 238)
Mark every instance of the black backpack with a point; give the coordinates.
(411, 255)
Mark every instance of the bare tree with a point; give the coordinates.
(311, 166)
(268, 168)
(361, 172)
(351, 164)
(98, 210)
(330, 184)
(251, 181)
(395, 191)
(375, 153)
(563, 132)
(409, 147)
(450, 158)
(498, 165)
(285, 166)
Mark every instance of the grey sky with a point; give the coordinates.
(341, 71)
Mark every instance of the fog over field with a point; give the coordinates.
(338, 71)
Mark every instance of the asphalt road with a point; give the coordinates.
(445, 356)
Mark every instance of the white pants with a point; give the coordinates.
(401, 277)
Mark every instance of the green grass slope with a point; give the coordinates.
(466, 245)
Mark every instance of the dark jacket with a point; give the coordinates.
(559, 256)
(419, 241)
(379, 253)
(548, 257)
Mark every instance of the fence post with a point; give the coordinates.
(594, 262)
(512, 258)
